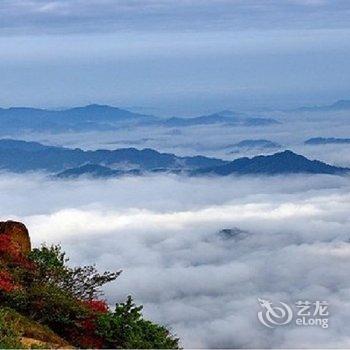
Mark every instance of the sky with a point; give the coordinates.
(190, 57)
(164, 57)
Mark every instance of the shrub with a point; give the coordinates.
(81, 282)
(45, 289)
(97, 306)
(6, 282)
(126, 328)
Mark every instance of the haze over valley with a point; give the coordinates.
(264, 198)
(201, 147)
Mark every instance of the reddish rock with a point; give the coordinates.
(19, 234)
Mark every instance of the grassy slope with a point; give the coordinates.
(32, 333)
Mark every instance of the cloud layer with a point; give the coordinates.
(179, 57)
(96, 15)
(295, 245)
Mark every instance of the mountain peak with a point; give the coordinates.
(96, 106)
(342, 104)
(339, 105)
(287, 153)
(226, 113)
(285, 162)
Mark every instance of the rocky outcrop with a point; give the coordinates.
(19, 234)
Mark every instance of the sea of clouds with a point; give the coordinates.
(163, 232)
(293, 232)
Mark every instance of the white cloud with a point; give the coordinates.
(296, 246)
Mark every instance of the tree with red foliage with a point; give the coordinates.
(97, 306)
(6, 282)
(88, 337)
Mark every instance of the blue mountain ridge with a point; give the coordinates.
(258, 143)
(326, 141)
(286, 162)
(340, 105)
(21, 156)
(103, 117)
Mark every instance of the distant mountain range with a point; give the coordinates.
(91, 117)
(326, 141)
(224, 117)
(286, 162)
(102, 117)
(96, 117)
(20, 156)
(96, 171)
(340, 105)
(259, 144)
